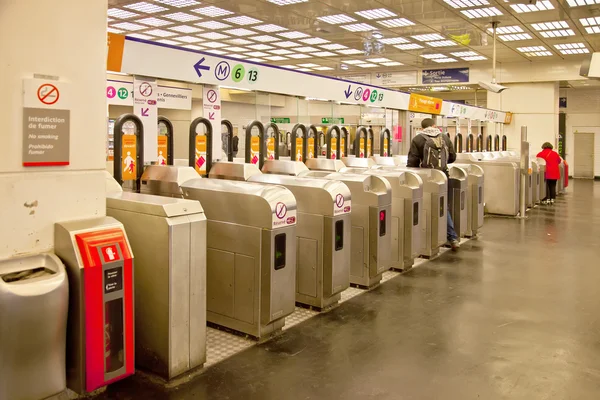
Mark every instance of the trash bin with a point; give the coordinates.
(34, 300)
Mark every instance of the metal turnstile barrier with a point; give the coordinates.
(168, 238)
(34, 301)
(166, 180)
(542, 164)
(324, 164)
(457, 199)
(536, 181)
(358, 162)
(475, 197)
(251, 253)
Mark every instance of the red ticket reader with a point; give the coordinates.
(100, 337)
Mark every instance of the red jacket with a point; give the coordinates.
(552, 162)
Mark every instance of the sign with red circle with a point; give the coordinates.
(280, 210)
(48, 94)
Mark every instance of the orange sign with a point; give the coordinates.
(254, 149)
(299, 142)
(342, 147)
(271, 148)
(333, 148)
(129, 157)
(361, 148)
(163, 150)
(311, 148)
(385, 147)
(200, 163)
(424, 104)
(116, 44)
(369, 143)
(508, 118)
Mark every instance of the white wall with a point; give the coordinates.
(534, 105)
(30, 46)
(583, 115)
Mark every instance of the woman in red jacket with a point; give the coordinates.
(553, 160)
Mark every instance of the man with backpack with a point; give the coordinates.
(432, 149)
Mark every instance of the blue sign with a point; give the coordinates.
(448, 75)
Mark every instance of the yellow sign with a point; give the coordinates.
(424, 104)
(163, 150)
(116, 44)
(200, 164)
(342, 147)
(361, 148)
(385, 147)
(271, 148)
(254, 149)
(369, 144)
(464, 39)
(333, 148)
(299, 142)
(311, 148)
(508, 118)
(129, 157)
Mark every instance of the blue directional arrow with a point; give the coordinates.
(348, 92)
(199, 67)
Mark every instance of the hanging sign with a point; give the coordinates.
(332, 120)
(424, 104)
(129, 157)
(385, 147)
(254, 149)
(311, 147)
(508, 118)
(121, 94)
(394, 78)
(200, 163)
(447, 75)
(369, 148)
(211, 105)
(271, 148)
(163, 150)
(144, 106)
(343, 146)
(333, 148)
(361, 148)
(280, 120)
(299, 142)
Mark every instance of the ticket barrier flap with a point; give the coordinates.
(284, 167)
(165, 180)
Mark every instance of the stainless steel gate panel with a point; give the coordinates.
(535, 173)
(475, 197)
(357, 162)
(324, 164)
(542, 164)
(251, 253)
(168, 237)
(165, 180)
(284, 167)
(233, 171)
(457, 199)
(323, 236)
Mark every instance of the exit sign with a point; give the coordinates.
(332, 120)
(280, 120)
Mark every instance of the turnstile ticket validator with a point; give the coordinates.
(100, 330)
(475, 197)
(457, 199)
(251, 253)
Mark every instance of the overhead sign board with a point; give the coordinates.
(280, 120)
(424, 104)
(332, 120)
(447, 75)
(121, 93)
(394, 78)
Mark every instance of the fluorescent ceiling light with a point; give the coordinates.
(193, 47)
(129, 26)
(239, 42)
(182, 17)
(474, 58)
(444, 60)
(548, 26)
(113, 30)
(213, 35)
(396, 40)
(378, 60)
(269, 28)
(305, 49)
(276, 58)
(122, 14)
(281, 52)
(579, 3)
(367, 65)
(324, 69)
(216, 45)
(514, 37)
(237, 55)
(257, 54)
(179, 3)
(482, 12)
(243, 20)
(506, 29)
(592, 25)
(350, 51)
(396, 23)
(298, 56)
(185, 29)
(141, 36)
(188, 39)
(543, 5)
(168, 41)
(314, 40)
(287, 44)
(240, 32)
(442, 43)
(212, 11)
(146, 7)
(109, 19)
(153, 21)
(428, 37)
(354, 62)
(286, 2)
(289, 66)
(464, 54)
(376, 13)
(309, 65)
(466, 3)
(261, 47)
(323, 54)
(255, 59)
(572, 48)
(432, 56)
(304, 69)
(358, 27)
(333, 46)
(558, 33)
(391, 64)
(235, 49)
(336, 19)
(217, 52)
(534, 51)
(408, 46)
(213, 25)
(293, 35)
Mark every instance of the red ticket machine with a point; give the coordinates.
(100, 337)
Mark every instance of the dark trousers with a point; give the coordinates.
(551, 188)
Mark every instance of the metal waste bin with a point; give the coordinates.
(34, 301)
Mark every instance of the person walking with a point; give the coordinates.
(432, 149)
(553, 161)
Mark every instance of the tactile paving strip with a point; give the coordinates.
(298, 316)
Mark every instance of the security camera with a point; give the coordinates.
(492, 87)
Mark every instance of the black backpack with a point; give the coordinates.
(435, 153)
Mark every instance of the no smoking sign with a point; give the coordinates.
(48, 94)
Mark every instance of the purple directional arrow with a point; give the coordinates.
(145, 112)
(348, 92)
(199, 67)
(211, 116)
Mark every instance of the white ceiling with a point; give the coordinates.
(301, 36)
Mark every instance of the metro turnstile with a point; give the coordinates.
(251, 253)
(358, 162)
(168, 238)
(542, 164)
(166, 180)
(457, 199)
(371, 225)
(475, 197)
(323, 241)
(435, 207)
(324, 164)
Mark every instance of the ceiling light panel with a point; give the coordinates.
(572, 48)
(305, 49)
(309, 65)
(444, 60)
(350, 51)
(185, 29)
(337, 19)
(243, 20)
(239, 42)
(432, 56)
(408, 46)
(376, 13)
(378, 60)
(543, 5)
(160, 33)
(261, 47)
(289, 66)
(113, 30)
(558, 33)
(286, 2)
(464, 54)
(299, 55)
(579, 3)
(515, 37)
(392, 64)
(217, 52)
(236, 55)
(236, 49)
(441, 43)
(293, 35)
(396, 40)
(482, 12)
(396, 23)
(367, 65)
(554, 29)
(501, 30)
(122, 14)
(213, 25)
(323, 69)
(269, 28)
(314, 40)
(147, 8)
(156, 22)
(474, 58)
(256, 59)
(213, 35)
(466, 3)
(428, 37)
(354, 62)
(358, 27)
(188, 39)
(257, 54)
(179, 3)
(535, 51)
(129, 26)
(592, 25)
(333, 46)
(281, 52)
(304, 69)
(193, 47)
(323, 54)
(182, 17)
(168, 41)
(276, 58)
(212, 11)
(240, 32)
(264, 38)
(216, 45)
(141, 36)
(287, 44)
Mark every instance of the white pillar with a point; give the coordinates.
(64, 39)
